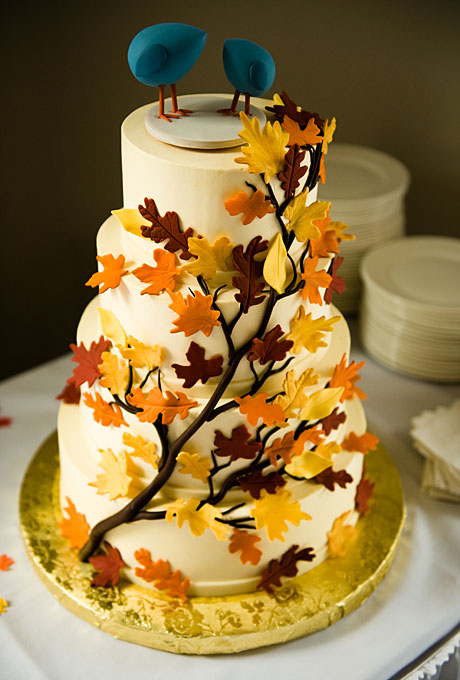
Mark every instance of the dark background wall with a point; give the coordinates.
(389, 71)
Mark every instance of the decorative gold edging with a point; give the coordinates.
(212, 625)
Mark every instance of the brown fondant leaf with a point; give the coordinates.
(250, 283)
(256, 205)
(70, 394)
(286, 565)
(271, 348)
(244, 543)
(337, 284)
(199, 368)
(329, 477)
(364, 493)
(74, 526)
(281, 448)
(290, 108)
(333, 421)
(165, 227)
(88, 361)
(237, 445)
(108, 566)
(256, 481)
(293, 171)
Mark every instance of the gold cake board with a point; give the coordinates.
(212, 625)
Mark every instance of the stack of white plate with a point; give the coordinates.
(410, 310)
(366, 188)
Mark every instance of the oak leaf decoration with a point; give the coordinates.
(272, 511)
(199, 519)
(162, 277)
(195, 313)
(141, 448)
(333, 421)
(308, 333)
(245, 543)
(5, 562)
(325, 242)
(165, 227)
(70, 393)
(118, 478)
(364, 493)
(74, 526)
(88, 361)
(210, 259)
(293, 170)
(347, 377)
(256, 407)
(337, 283)
(249, 281)
(314, 280)
(114, 373)
(302, 219)
(156, 403)
(256, 205)
(285, 106)
(271, 348)
(111, 275)
(264, 151)
(341, 536)
(199, 368)
(104, 413)
(193, 464)
(286, 565)
(108, 565)
(256, 481)
(330, 477)
(159, 573)
(315, 435)
(140, 355)
(274, 270)
(294, 396)
(237, 445)
(363, 443)
(308, 135)
(281, 448)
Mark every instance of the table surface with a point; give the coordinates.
(414, 607)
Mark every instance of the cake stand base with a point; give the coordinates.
(212, 625)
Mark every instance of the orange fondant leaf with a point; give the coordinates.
(74, 526)
(326, 242)
(244, 543)
(308, 135)
(155, 403)
(5, 562)
(341, 536)
(110, 276)
(162, 277)
(281, 448)
(104, 413)
(364, 443)
(114, 373)
(314, 280)
(257, 205)
(195, 313)
(160, 574)
(256, 407)
(346, 377)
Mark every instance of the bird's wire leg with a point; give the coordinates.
(161, 111)
(247, 104)
(184, 112)
(232, 110)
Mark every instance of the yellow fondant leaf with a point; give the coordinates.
(321, 403)
(212, 514)
(265, 149)
(3, 605)
(141, 448)
(310, 463)
(273, 510)
(301, 217)
(294, 397)
(329, 129)
(140, 355)
(308, 333)
(275, 265)
(193, 464)
(211, 258)
(199, 520)
(131, 220)
(114, 373)
(118, 479)
(111, 327)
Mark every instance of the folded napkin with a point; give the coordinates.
(436, 435)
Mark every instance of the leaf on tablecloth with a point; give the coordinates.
(4, 604)
(5, 562)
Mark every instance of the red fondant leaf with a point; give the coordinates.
(250, 283)
(160, 573)
(271, 348)
(244, 542)
(337, 285)
(70, 394)
(256, 481)
(364, 493)
(237, 445)
(293, 172)
(104, 413)
(6, 562)
(286, 565)
(329, 477)
(333, 421)
(108, 566)
(165, 227)
(88, 361)
(199, 368)
(290, 108)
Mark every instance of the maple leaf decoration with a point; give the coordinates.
(104, 413)
(165, 227)
(209, 259)
(271, 348)
(256, 407)
(155, 403)
(5, 562)
(88, 361)
(363, 443)
(326, 242)
(314, 280)
(70, 394)
(110, 276)
(272, 511)
(333, 421)
(289, 108)
(337, 283)
(346, 377)
(256, 481)
(118, 478)
(74, 526)
(308, 135)
(364, 493)
(245, 543)
(250, 283)
(161, 277)
(237, 445)
(108, 566)
(199, 368)
(308, 333)
(159, 573)
(257, 205)
(286, 565)
(195, 313)
(264, 151)
(329, 477)
(293, 170)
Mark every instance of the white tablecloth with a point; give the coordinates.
(415, 606)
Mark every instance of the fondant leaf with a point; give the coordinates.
(256, 205)
(341, 536)
(256, 481)
(333, 421)
(70, 394)
(199, 368)
(111, 327)
(264, 152)
(364, 493)
(363, 443)
(141, 448)
(74, 526)
(195, 313)
(111, 274)
(237, 445)
(326, 241)
(285, 106)
(302, 137)
(155, 403)
(131, 220)
(88, 361)
(162, 277)
(199, 519)
(140, 355)
(274, 270)
(337, 283)
(245, 543)
(210, 258)
(314, 280)
(271, 348)
(310, 463)
(118, 478)
(321, 403)
(330, 477)
(308, 333)
(250, 282)
(286, 565)
(293, 171)
(256, 407)
(294, 396)
(114, 373)
(346, 377)
(281, 448)
(165, 227)
(302, 218)
(104, 413)
(108, 565)
(192, 464)
(272, 511)
(160, 574)
(329, 129)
